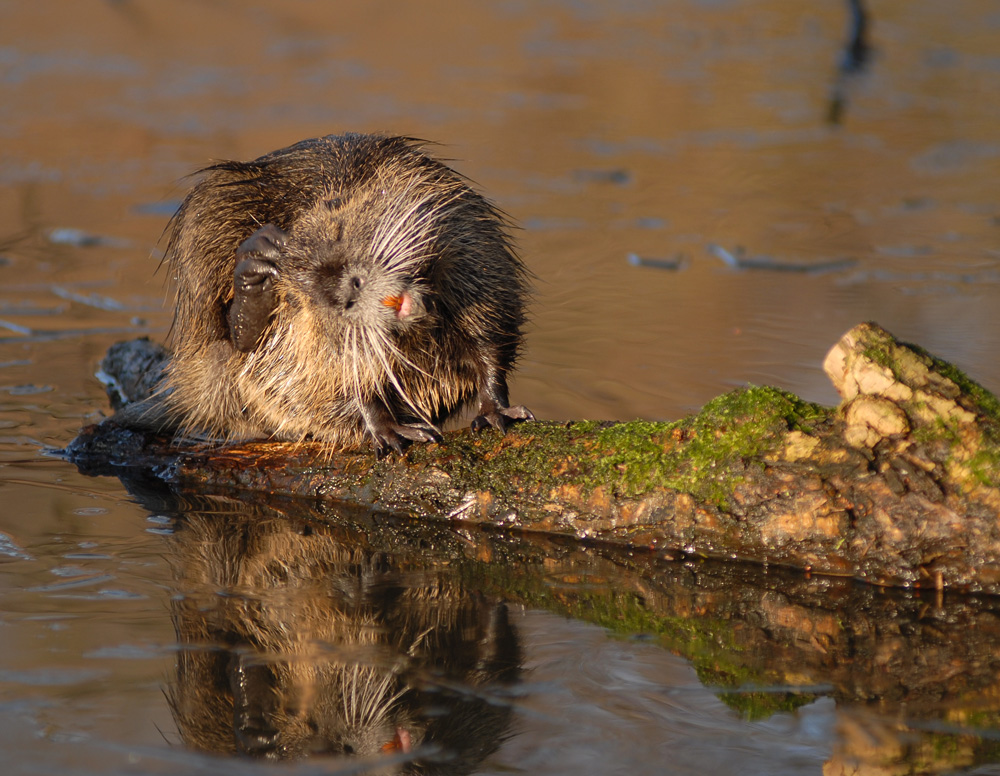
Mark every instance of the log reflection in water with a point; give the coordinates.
(301, 640)
(284, 603)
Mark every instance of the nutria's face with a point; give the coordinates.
(298, 709)
(350, 269)
(351, 290)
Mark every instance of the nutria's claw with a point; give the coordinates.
(418, 432)
(385, 444)
(253, 276)
(501, 418)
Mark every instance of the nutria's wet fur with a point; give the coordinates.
(341, 288)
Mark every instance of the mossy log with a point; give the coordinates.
(899, 485)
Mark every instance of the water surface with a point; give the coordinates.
(640, 149)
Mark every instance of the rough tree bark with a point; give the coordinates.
(899, 485)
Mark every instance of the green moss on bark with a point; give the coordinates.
(705, 454)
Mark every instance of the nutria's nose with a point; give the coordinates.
(354, 287)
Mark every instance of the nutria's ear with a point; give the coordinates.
(253, 286)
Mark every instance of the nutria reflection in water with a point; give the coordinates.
(296, 642)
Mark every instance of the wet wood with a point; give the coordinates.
(897, 486)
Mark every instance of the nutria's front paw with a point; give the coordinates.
(396, 436)
(253, 286)
(501, 418)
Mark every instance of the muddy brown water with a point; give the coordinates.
(642, 149)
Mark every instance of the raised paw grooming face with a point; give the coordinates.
(254, 297)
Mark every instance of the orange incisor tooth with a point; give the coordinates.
(402, 304)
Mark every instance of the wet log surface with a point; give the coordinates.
(897, 486)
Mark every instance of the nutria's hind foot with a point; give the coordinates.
(253, 286)
(500, 418)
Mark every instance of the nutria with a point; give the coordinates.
(343, 287)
